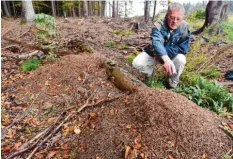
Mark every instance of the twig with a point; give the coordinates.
(26, 146)
(18, 119)
(50, 135)
(87, 104)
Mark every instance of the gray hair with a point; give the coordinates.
(175, 6)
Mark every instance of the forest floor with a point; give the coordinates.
(69, 108)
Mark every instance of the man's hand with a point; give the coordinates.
(168, 65)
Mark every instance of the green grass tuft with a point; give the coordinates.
(30, 64)
(155, 83)
(110, 43)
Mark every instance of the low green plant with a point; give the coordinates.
(30, 64)
(110, 43)
(228, 29)
(155, 82)
(128, 33)
(51, 56)
(129, 59)
(117, 32)
(46, 26)
(121, 46)
(211, 73)
(208, 94)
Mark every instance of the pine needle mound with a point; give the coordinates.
(167, 123)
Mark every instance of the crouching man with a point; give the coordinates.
(170, 44)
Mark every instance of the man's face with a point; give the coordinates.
(174, 18)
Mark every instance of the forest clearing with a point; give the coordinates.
(73, 93)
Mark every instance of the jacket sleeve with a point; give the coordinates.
(158, 42)
(181, 46)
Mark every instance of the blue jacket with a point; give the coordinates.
(178, 43)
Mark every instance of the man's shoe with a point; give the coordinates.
(229, 75)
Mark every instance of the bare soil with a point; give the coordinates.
(146, 123)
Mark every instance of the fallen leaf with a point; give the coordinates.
(9, 134)
(129, 126)
(77, 130)
(170, 157)
(47, 105)
(6, 148)
(127, 151)
(51, 154)
(47, 83)
(204, 156)
(64, 146)
(92, 84)
(17, 145)
(93, 115)
(51, 120)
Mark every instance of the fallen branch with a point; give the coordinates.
(50, 135)
(24, 56)
(18, 119)
(87, 104)
(29, 145)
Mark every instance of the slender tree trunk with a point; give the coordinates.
(79, 9)
(147, 11)
(85, 9)
(53, 3)
(155, 4)
(9, 7)
(117, 8)
(58, 9)
(216, 11)
(6, 9)
(126, 15)
(100, 8)
(28, 10)
(13, 6)
(74, 13)
(113, 9)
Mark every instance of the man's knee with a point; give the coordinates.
(180, 59)
(137, 62)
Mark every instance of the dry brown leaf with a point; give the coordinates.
(17, 145)
(51, 154)
(92, 84)
(6, 148)
(170, 157)
(204, 156)
(127, 151)
(47, 105)
(77, 130)
(51, 120)
(93, 115)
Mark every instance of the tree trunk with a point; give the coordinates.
(79, 9)
(9, 7)
(216, 11)
(117, 8)
(13, 5)
(113, 9)
(147, 11)
(28, 10)
(6, 9)
(155, 4)
(100, 8)
(85, 9)
(53, 7)
(126, 15)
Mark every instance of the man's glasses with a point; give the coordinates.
(174, 18)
